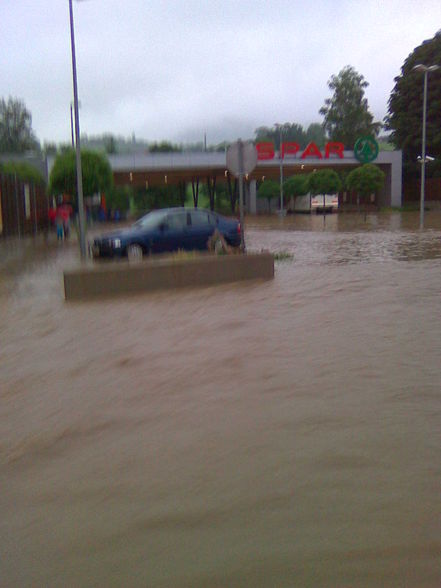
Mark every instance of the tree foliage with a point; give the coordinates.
(164, 147)
(156, 197)
(50, 148)
(269, 189)
(292, 132)
(118, 198)
(405, 110)
(316, 133)
(366, 179)
(24, 171)
(16, 135)
(346, 113)
(222, 198)
(324, 181)
(289, 131)
(296, 185)
(110, 145)
(96, 173)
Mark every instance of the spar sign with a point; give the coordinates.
(365, 150)
(291, 149)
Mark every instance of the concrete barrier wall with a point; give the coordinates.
(111, 279)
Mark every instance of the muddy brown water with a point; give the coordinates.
(283, 433)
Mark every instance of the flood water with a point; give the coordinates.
(271, 434)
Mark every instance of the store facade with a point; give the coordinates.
(148, 169)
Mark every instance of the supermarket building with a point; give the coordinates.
(150, 169)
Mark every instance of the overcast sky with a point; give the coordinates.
(178, 69)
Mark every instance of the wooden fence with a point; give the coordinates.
(432, 190)
(23, 206)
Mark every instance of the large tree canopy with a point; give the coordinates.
(292, 132)
(346, 113)
(156, 197)
(324, 181)
(96, 172)
(405, 112)
(289, 131)
(366, 179)
(16, 135)
(296, 185)
(269, 190)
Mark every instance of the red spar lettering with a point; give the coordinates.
(312, 151)
(336, 147)
(290, 148)
(265, 150)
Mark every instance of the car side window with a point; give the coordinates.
(177, 222)
(201, 218)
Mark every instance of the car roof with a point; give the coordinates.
(181, 209)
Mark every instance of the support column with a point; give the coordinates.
(252, 202)
(211, 186)
(195, 189)
(396, 188)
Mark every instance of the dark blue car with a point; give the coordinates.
(168, 229)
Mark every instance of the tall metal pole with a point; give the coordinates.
(423, 153)
(242, 231)
(17, 206)
(77, 141)
(425, 69)
(35, 210)
(281, 171)
(72, 126)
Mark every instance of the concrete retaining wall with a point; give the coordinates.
(111, 279)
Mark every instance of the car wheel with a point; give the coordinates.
(134, 252)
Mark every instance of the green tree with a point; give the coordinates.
(96, 172)
(324, 181)
(118, 198)
(269, 189)
(222, 198)
(316, 133)
(405, 110)
(365, 180)
(296, 186)
(16, 135)
(346, 113)
(156, 197)
(110, 145)
(24, 171)
(50, 148)
(164, 147)
(290, 132)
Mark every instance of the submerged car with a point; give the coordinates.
(168, 229)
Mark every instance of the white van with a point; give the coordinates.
(317, 203)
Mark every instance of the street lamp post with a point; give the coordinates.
(425, 69)
(279, 126)
(72, 126)
(77, 141)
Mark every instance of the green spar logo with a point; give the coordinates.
(366, 149)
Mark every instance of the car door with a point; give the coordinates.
(201, 228)
(176, 231)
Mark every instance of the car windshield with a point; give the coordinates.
(150, 220)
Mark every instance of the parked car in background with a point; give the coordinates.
(168, 229)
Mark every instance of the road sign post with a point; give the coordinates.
(241, 159)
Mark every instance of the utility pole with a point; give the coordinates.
(425, 69)
(81, 220)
